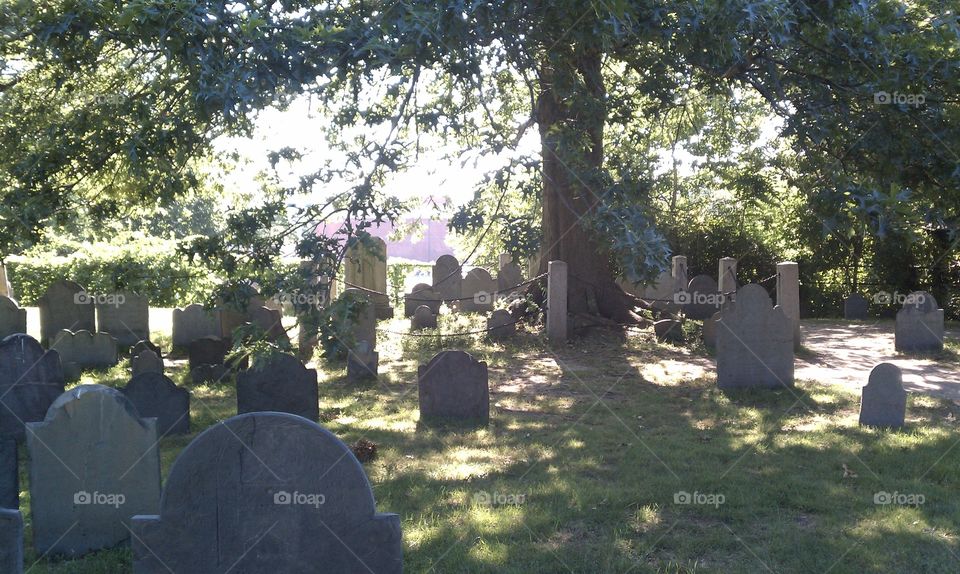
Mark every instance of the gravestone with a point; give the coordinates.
(156, 396)
(366, 267)
(710, 331)
(422, 294)
(208, 374)
(454, 385)
(362, 362)
(509, 276)
(145, 345)
(284, 496)
(207, 351)
(919, 326)
(31, 378)
(279, 384)
(13, 319)
(146, 362)
(447, 280)
(788, 296)
(83, 349)
(661, 293)
(11, 541)
(754, 342)
(126, 316)
(65, 305)
(9, 476)
(668, 330)
(884, 402)
(365, 326)
(479, 290)
(702, 298)
(270, 320)
(194, 322)
(556, 315)
(94, 463)
(235, 305)
(856, 307)
(423, 318)
(500, 324)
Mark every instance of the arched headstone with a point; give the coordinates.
(146, 362)
(447, 279)
(500, 324)
(126, 316)
(155, 395)
(423, 318)
(83, 349)
(285, 495)
(479, 290)
(510, 276)
(13, 319)
(271, 321)
(702, 298)
(422, 294)
(31, 378)
(454, 385)
(856, 306)
(281, 384)
(919, 325)
(65, 305)
(884, 402)
(194, 322)
(754, 342)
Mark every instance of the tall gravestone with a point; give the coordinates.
(13, 319)
(194, 322)
(366, 267)
(65, 305)
(919, 326)
(156, 396)
(94, 463)
(83, 349)
(454, 386)
(754, 342)
(365, 325)
(31, 378)
(284, 496)
(9, 476)
(884, 402)
(126, 316)
(478, 289)
(856, 307)
(422, 294)
(447, 279)
(703, 298)
(11, 541)
(556, 315)
(281, 384)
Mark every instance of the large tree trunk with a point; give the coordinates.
(568, 198)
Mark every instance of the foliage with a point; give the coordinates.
(337, 321)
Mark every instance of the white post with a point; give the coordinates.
(788, 295)
(727, 277)
(557, 301)
(679, 273)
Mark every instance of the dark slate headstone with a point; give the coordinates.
(454, 385)
(500, 324)
(13, 318)
(146, 362)
(754, 342)
(702, 298)
(155, 395)
(30, 380)
(208, 351)
(508, 278)
(9, 477)
(710, 331)
(94, 463)
(11, 541)
(284, 496)
(422, 294)
(362, 362)
(884, 402)
(423, 318)
(668, 330)
(856, 306)
(65, 305)
(209, 374)
(145, 345)
(281, 384)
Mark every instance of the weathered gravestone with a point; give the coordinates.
(208, 374)
(510, 276)
(235, 306)
(479, 290)
(194, 322)
(500, 324)
(362, 362)
(83, 349)
(422, 294)
(884, 402)
(702, 298)
(156, 396)
(710, 331)
(919, 325)
(13, 319)
(281, 384)
(207, 351)
(285, 496)
(447, 280)
(65, 305)
(454, 385)
(126, 316)
(423, 318)
(270, 321)
(364, 327)
(11, 541)
(856, 306)
(94, 463)
(668, 330)
(754, 342)
(366, 266)
(31, 378)
(146, 362)
(9, 477)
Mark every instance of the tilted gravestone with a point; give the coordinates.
(447, 279)
(422, 294)
(668, 330)
(31, 378)
(94, 463)
(478, 291)
(281, 384)
(156, 396)
(754, 342)
(856, 306)
(500, 324)
(83, 349)
(509, 276)
(207, 351)
(423, 318)
(65, 305)
(284, 496)
(919, 326)
(126, 316)
(11, 541)
(9, 477)
(146, 362)
(194, 322)
(703, 299)
(13, 318)
(454, 385)
(884, 402)
(362, 362)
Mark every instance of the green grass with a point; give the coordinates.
(587, 453)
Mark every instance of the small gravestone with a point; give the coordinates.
(207, 351)
(11, 541)
(447, 279)
(422, 294)
(662, 293)
(9, 477)
(194, 322)
(509, 277)
(668, 330)
(365, 326)
(884, 402)
(146, 362)
(94, 463)
(154, 395)
(710, 331)
(270, 321)
(65, 305)
(145, 345)
(31, 378)
(454, 385)
(362, 362)
(856, 307)
(423, 318)
(83, 349)
(479, 290)
(279, 384)
(500, 324)
(284, 496)
(919, 326)
(13, 319)
(208, 374)
(702, 298)
(754, 342)
(126, 316)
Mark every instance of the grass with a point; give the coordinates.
(587, 446)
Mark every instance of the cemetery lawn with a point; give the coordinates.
(588, 448)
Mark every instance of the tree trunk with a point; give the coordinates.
(567, 197)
